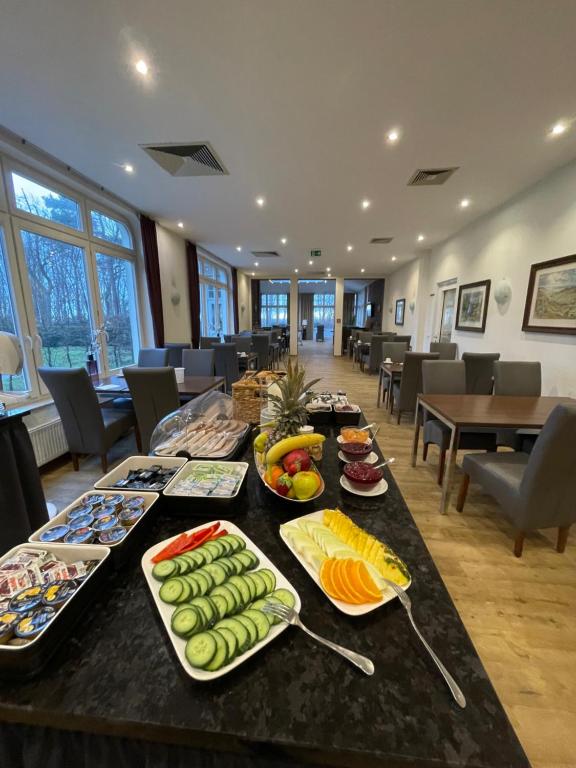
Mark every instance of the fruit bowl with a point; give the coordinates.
(363, 475)
(261, 469)
(356, 450)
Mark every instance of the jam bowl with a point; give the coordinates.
(363, 475)
(356, 450)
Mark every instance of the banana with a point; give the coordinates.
(283, 447)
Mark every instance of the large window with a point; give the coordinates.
(74, 283)
(215, 298)
(273, 309)
(323, 307)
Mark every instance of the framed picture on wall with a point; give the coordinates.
(551, 297)
(473, 306)
(400, 307)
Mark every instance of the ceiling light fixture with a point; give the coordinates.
(362, 270)
(296, 270)
(310, 262)
(558, 128)
(141, 67)
(253, 273)
(365, 204)
(256, 263)
(464, 203)
(180, 225)
(420, 238)
(283, 240)
(394, 258)
(349, 248)
(239, 248)
(328, 269)
(260, 202)
(128, 168)
(392, 136)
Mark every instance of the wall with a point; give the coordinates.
(538, 225)
(375, 294)
(174, 278)
(402, 284)
(244, 300)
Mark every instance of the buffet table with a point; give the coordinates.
(115, 694)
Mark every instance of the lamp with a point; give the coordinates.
(11, 362)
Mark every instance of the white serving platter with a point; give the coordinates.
(170, 489)
(149, 497)
(377, 490)
(165, 610)
(351, 610)
(137, 462)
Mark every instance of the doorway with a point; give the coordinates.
(447, 315)
(316, 306)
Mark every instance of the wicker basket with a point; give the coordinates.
(249, 394)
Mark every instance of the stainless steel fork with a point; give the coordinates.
(290, 616)
(452, 684)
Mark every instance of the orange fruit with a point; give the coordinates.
(352, 587)
(341, 582)
(366, 582)
(326, 579)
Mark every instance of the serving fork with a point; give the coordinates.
(290, 616)
(452, 684)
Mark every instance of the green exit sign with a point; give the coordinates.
(315, 254)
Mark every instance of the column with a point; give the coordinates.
(293, 315)
(338, 315)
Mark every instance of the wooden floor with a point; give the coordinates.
(520, 613)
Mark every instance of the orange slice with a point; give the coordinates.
(365, 582)
(342, 583)
(351, 582)
(326, 579)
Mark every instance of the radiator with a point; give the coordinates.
(48, 441)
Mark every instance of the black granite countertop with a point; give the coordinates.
(118, 675)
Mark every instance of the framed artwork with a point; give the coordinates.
(551, 298)
(473, 306)
(400, 307)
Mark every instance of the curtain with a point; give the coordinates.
(152, 265)
(235, 298)
(349, 308)
(193, 292)
(306, 306)
(255, 288)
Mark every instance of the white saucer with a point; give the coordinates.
(372, 458)
(377, 490)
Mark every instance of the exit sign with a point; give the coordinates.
(315, 254)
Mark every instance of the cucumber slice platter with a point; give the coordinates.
(211, 598)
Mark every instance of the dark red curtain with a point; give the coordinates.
(193, 292)
(255, 288)
(235, 298)
(150, 246)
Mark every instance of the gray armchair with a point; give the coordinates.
(405, 392)
(87, 427)
(243, 343)
(448, 377)
(198, 362)
(519, 380)
(153, 358)
(261, 345)
(226, 363)
(206, 342)
(447, 350)
(535, 490)
(154, 393)
(175, 350)
(480, 372)
(395, 350)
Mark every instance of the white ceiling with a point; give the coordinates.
(296, 97)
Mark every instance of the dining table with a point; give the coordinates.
(115, 693)
(191, 386)
(479, 412)
(392, 371)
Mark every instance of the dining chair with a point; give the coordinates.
(198, 362)
(88, 428)
(153, 358)
(517, 379)
(405, 392)
(154, 392)
(395, 351)
(448, 377)
(226, 363)
(243, 343)
(447, 350)
(206, 342)
(227, 338)
(261, 345)
(535, 490)
(480, 372)
(402, 339)
(320, 332)
(175, 350)
(372, 357)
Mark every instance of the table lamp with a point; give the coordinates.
(11, 363)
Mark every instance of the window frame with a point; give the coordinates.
(203, 257)
(111, 215)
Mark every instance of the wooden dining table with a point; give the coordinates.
(394, 372)
(192, 386)
(481, 412)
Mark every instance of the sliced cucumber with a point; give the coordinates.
(240, 543)
(260, 582)
(206, 607)
(217, 572)
(224, 562)
(183, 564)
(215, 549)
(227, 595)
(171, 590)
(260, 620)
(251, 587)
(250, 627)
(243, 588)
(272, 599)
(285, 596)
(186, 622)
(258, 606)
(269, 577)
(239, 601)
(205, 553)
(227, 544)
(164, 570)
(237, 564)
(239, 630)
(203, 581)
(194, 585)
(201, 649)
(231, 641)
(221, 605)
(221, 656)
(246, 558)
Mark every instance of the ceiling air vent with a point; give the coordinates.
(426, 177)
(381, 240)
(196, 159)
(265, 254)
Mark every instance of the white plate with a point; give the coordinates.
(60, 519)
(348, 608)
(372, 458)
(137, 462)
(380, 487)
(165, 610)
(170, 489)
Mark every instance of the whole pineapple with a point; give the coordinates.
(289, 407)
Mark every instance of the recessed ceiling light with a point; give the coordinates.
(310, 262)
(464, 203)
(283, 240)
(394, 258)
(296, 270)
(253, 273)
(260, 202)
(393, 135)
(141, 67)
(328, 269)
(420, 238)
(238, 248)
(256, 263)
(349, 248)
(362, 270)
(365, 204)
(128, 168)
(558, 128)
(181, 225)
